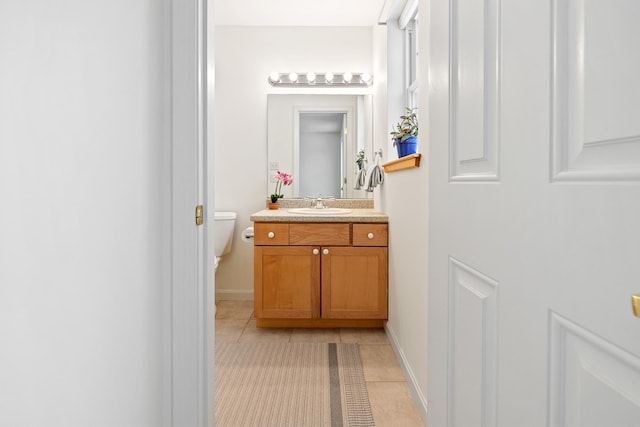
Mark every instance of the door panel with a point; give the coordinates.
(596, 131)
(589, 374)
(474, 116)
(473, 322)
(530, 275)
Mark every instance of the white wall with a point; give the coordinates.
(84, 271)
(404, 197)
(245, 56)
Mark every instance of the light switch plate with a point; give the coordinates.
(274, 166)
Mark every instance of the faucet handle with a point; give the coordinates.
(311, 200)
(325, 201)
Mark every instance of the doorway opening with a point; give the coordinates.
(322, 154)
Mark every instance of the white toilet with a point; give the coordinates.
(223, 234)
(223, 237)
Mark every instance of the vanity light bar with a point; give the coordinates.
(320, 79)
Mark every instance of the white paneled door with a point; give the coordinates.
(534, 157)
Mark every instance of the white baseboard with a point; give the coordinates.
(416, 393)
(234, 295)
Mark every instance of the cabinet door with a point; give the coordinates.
(354, 283)
(287, 282)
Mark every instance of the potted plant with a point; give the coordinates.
(361, 159)
(405, 133)
(282, 178)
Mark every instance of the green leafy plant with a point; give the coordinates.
(360, 159)
(407, 127)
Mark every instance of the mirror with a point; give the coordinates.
(317, 138)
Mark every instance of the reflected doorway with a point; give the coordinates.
(322, 154)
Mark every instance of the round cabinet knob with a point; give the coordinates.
(271, 235)
(325, 251)
(316, 252)
(370, 235)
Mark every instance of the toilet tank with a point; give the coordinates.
(223, 232)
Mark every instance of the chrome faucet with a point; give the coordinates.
(319, 202)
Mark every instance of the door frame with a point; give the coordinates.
(192, 384)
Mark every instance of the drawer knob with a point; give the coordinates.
(316, 252)
(370, 235)
(271, 235)
(325, 251)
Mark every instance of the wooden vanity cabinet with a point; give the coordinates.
(320, 274)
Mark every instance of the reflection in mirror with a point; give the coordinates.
(317, 138)
(322, 144)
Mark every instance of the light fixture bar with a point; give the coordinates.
(320, 79)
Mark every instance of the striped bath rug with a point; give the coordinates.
(290, 384)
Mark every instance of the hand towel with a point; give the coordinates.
(361, 179)
(375, 176)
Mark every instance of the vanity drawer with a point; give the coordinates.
(370, 234)
(319, 234)
(270, 233)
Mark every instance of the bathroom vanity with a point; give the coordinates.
(320, 270)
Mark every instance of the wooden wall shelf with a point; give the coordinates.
(406, 162)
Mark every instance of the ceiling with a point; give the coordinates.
(298, 12)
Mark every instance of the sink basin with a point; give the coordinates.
(325, 211)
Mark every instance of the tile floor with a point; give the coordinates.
(389, 395)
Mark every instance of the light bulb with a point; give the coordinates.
(328, 77)
(311, 77)
(274, 77)
(347, 77)
(293, 77)
(366, 78)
